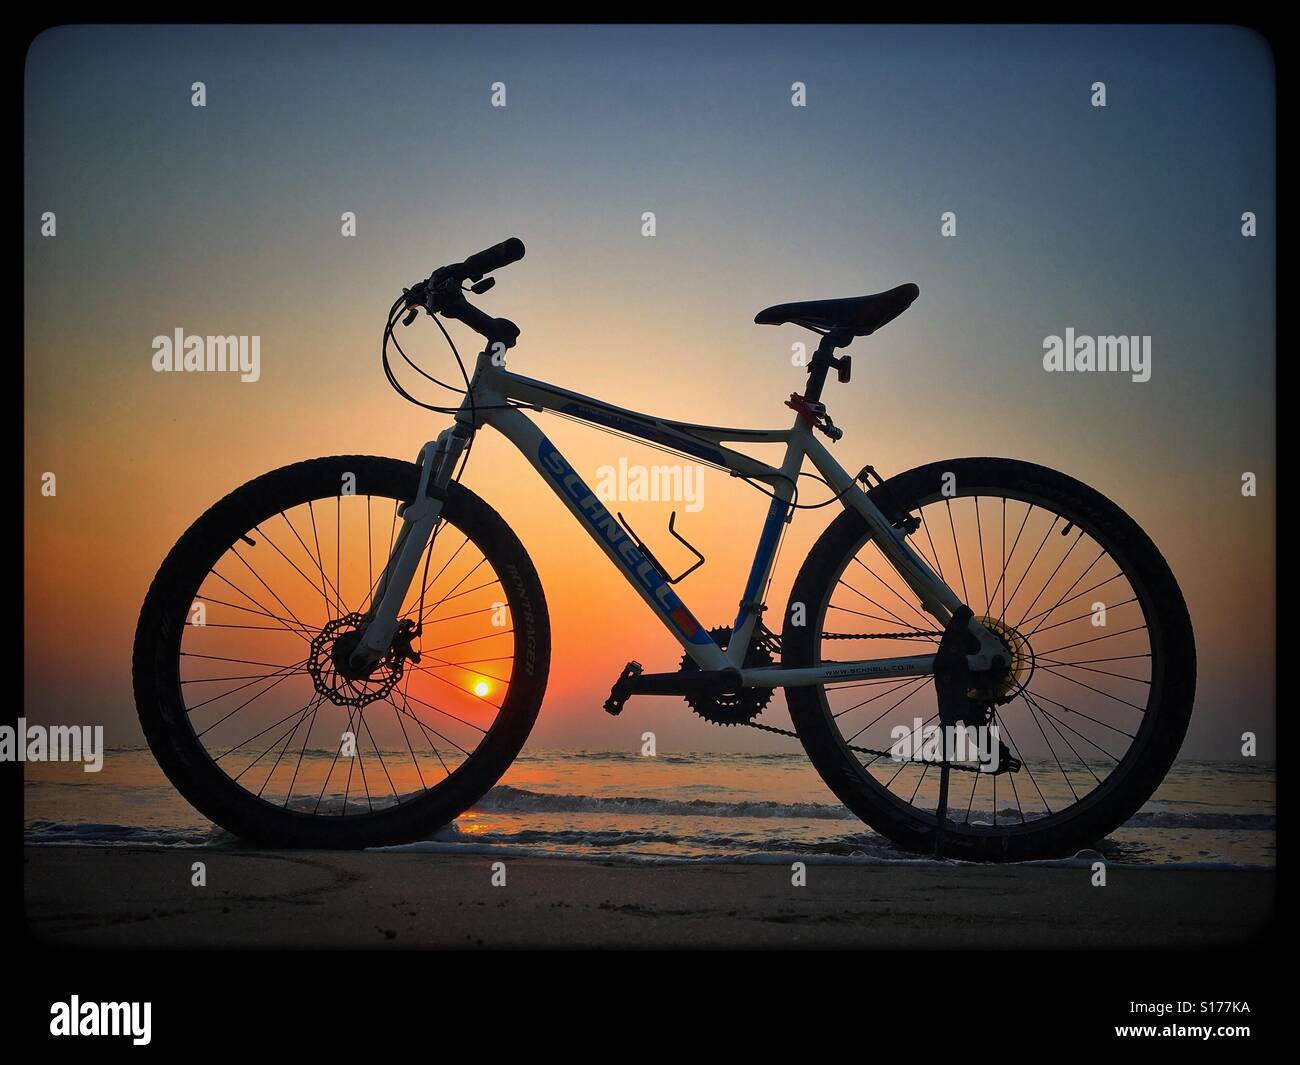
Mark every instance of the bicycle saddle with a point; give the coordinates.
(861, 315)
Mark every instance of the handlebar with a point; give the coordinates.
(494, 330)
(442, 294)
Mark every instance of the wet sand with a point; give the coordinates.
(115, 897)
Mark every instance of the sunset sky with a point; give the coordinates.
(226, 220)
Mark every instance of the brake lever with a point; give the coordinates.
(415, 299)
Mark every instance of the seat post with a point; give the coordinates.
(821, 363)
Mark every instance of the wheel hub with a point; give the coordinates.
(333, 675)
(1001, 685)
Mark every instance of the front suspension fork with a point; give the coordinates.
(420, 516)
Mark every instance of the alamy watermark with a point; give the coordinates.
(634, 483)
(75, 1017)
(1103, 354)
(947, 743)
(53, 743)
(208, 354)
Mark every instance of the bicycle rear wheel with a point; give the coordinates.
(240, 640)
(1104, 660)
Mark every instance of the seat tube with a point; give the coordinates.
(778, 513)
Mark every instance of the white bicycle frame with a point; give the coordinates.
(491, 400)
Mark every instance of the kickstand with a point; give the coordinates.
(941, 813)
(950, 684)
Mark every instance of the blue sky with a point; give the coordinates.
(1123, 219)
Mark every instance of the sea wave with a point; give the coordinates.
(505, 798)
(728, 836)
(95, 832)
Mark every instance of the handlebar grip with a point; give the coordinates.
(503, 254)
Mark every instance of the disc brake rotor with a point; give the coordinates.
(330, 651)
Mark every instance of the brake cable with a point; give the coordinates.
(395, 312)
(794, 503)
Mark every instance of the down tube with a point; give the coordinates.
(605, 529)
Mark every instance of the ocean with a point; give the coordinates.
(617, 806)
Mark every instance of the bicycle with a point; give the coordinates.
(378, 664)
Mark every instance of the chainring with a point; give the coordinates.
(741, 707)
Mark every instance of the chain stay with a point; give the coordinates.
(918, 634)
(864, 750)
(853, 747)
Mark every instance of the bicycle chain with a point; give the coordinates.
(853, 747)
(879, 635)
(863, 750)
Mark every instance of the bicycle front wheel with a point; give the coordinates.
(1103, 661)
(240, 671)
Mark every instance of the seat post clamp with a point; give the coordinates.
(815, 415)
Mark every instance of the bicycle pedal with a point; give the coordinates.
(623, 688)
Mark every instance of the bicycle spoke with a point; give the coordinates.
(965, 595)
(406, 711)
(320, 561)
(1079, 713)
(878, 606)
(283, 622)
(881, 695)
(1006, 559)
(1086, 739)
(933, 550)
(1081, 617)
(1050, 578)
(301, 668)
(910, 606)
(920, 683)
(320, 699)
(984, 576)
(1116, 698)
(300, 630)
(1056, 725)
(1029, 568)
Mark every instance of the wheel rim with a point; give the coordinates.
(260, 681)
(1070, 722)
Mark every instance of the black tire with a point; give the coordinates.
(1171, 684)
(160, 692)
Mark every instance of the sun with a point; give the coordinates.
(481, 688)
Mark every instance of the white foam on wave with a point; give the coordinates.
(507, 799)
(92, 832)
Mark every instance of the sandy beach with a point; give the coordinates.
(117, 897)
